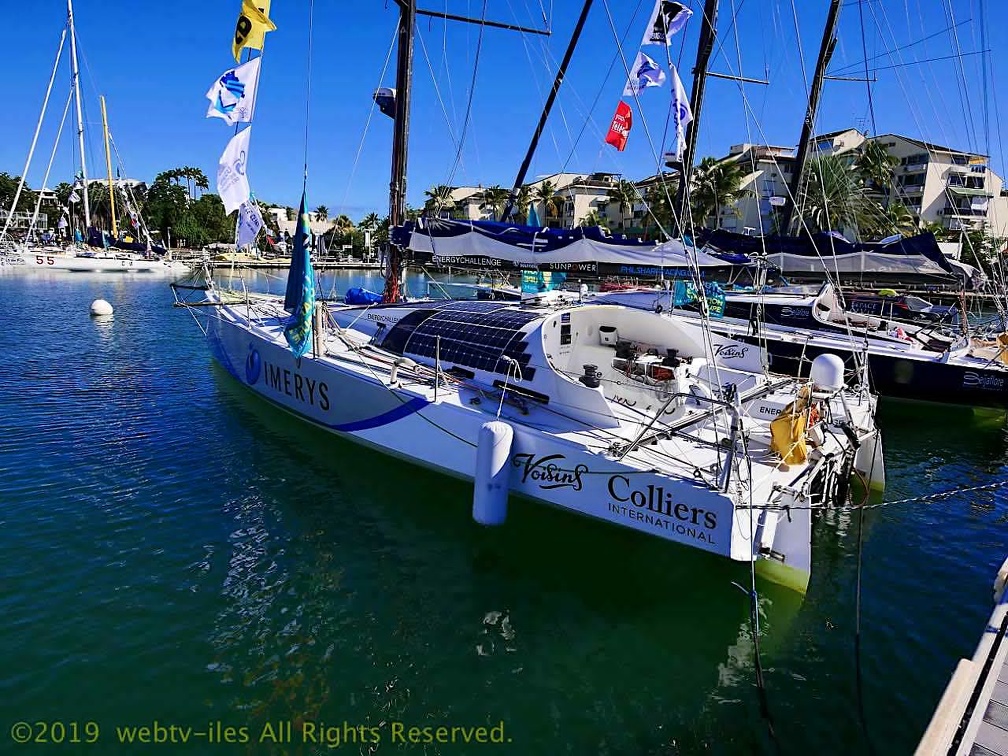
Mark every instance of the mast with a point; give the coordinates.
(80, 116)
(108, 164)
(561, 72)
(705, 46)
(400, 144)
(825, 53)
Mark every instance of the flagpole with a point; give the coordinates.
(708, 33)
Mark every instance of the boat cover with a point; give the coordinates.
(535, 246)
(830, 251)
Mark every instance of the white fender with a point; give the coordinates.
(490, 485)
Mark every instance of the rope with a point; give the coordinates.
(878, 505)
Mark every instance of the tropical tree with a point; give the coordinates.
(593, 219)
(438, 199)
(495, 197)
(523, 198)
(546, 193)
(659, 208)
(623, 195)
(714, 184)
(8, 188)
(321, 213)
(876, 169)
(833, 199)
(343, 225)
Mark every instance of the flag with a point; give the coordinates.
(232, 96)
(232, 183)
(385, 98)
(666, 19)
(74, 197)
(299, 299)
(645, 73)
(619, 129)
(253, 23)
(681, 114)
(533, 216)
(250, 223)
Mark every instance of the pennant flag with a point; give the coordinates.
(232, 97)
(666, 19)
(299, 299)
(250, 223)
(253, 23)
(232, 183)
(619, 129)
(681, 114)
(645, 73)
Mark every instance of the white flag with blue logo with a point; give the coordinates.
(232, 183)
(681, 114)
(645, 73)
(232, 97)
(250, 223)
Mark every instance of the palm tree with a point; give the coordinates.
(546, 193)
(659, 208)
(623, 195)
(593, 219)
(493, 197)
(715, 184)
(344, 225)
(371, 220)
(833, 198)
(438, 199)
(321, 213)
(875, 166)
(523, 197)
(200, 180)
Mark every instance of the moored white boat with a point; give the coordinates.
(605, 411)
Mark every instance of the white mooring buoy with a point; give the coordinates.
(100, 307)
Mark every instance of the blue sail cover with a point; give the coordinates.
(489, 243)
(918, 254)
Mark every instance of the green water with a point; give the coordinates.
(176, 550)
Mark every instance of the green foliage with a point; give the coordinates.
(438, 200)
(623, 195)
(494, 197)
(8, 188)
(546, 194)
(714, 184)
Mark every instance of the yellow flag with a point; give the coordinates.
(253, 23)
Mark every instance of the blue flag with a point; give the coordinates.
(300, 296)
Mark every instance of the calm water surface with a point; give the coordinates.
(176, 550)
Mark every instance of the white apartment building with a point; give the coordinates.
(937, 184)
(279, 214)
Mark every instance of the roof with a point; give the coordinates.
(964, 191)
(929, 146)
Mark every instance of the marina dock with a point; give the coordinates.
(972, 716)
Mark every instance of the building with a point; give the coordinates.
(937, 184)
(288, 226)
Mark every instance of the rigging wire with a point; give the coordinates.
(311, 21)
(472, 93)
(868, 87)
(367, 123)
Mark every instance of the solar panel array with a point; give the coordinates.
(473, 334)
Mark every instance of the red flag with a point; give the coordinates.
(619, 129)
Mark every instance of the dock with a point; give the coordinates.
(972, 716)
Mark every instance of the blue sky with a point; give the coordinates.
(155, 60)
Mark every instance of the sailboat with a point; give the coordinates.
(642, 421)
(902, 360)
(76, 258)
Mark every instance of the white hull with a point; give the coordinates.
(49, 260)
(554, 458)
